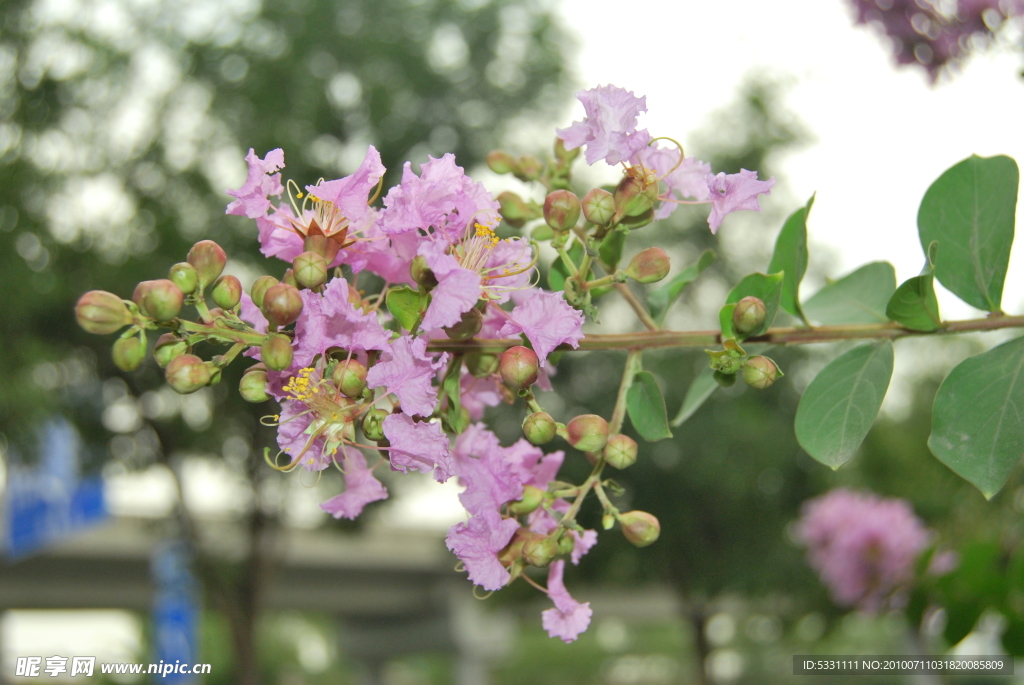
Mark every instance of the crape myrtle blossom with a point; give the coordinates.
(733, 192)
(685, 178)
(407, 371)
(568, 618)
(863, 546)
(420, 446)
(609, 129)
(547, 321)
(361, 487)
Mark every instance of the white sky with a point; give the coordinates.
(882, 135)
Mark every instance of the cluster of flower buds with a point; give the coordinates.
(361, 376)
(757, 371)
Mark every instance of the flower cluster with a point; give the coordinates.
(863, 546)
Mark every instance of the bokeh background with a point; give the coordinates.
(123, 121)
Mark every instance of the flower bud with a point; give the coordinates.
(539, 428)
(532, 498)
(208, 259)
(350, 377)
(528, 168)
(639, 527)
(421, 273)
(566, 543)
(168, 346)
(310, 269)
(607, 520)
(227, 292)
(276, 352)
(501, 162)
(187, 373)
(562, 210)
(129, 352)
(749, 315)
(101, 312)
(599, 206)
(620, 451)
(587, 432)
(259, 288)
(253, 387)
(636, 193)
(289, 278)
(373, 424)
(649, 266)
(514, 549)
(540, 550)
(519, 367)
(760, 372)
(514, 210)
(468, 326)
(282, 304)
(481, 364)
(185, 276)
(160, 299)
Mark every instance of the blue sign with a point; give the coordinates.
(50, 501)
(176, 611)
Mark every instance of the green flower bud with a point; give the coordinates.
(607, 520)
(468, 326)
(540, 550)
(421, 274)
(726, 380)
(566, 543)
(519, 367)
(636, 193)
(562, 210)
(253, 387)
(749, 315)
(101, 312)
(640, 528)
(129, 353)
(350, 378)
(481, 364)
(282, 304)
(532, 498)
(648, 266)
(587, 432)
(514, 210)
(760, 372)
(599, 206)
(373, 424)
(227, 292)
(187, 373)
(310, 270)
(501, 162)
(514, 549)
(159, 299)
(276, 352)
(259, 288)
(528, 168)
(289, 278)
(208, 259)
(539, 428)
(185, 276)
(168, 346)
(620, 451)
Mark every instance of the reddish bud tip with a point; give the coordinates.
(209, 259)
(168, 346)
(562, 210)
(159, 299)
(350, 378)
(260, 287)
(587, 432)
(599, 206)
(187, 373)
(101, 312)
(640, 528)
(129, 352)
(749, 315)
(310, 269)
(760, 372)
(276, 352)
(649, 266)
(282, 304)
(185, 276)
(253, 387)
(539, 428)
(227, 292)
(620, 451)
(519, 367)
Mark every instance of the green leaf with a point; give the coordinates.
(407, 306)
(610, 249)
(913, 304)
(859, 297)
(790, 256)
(558, 272)
(661, 299)
(768, 288)
(701, 388)
(978, 417)
(839, 406)
(646, 408)
(725, 321)
(452, 388)
(970, 211)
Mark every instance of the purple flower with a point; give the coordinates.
(344, 326)
(686, 181)
(296, 442)
(478, 393)
(863, 547)
(347, 196)
(480, 464)
(457, 291)
(532, 465)
(407, 371)
(568, 618)
(477, 543)
(547, 320)
(252, 198)
(733, 192)
(609, 129)
(418, 446)
(583, 543)
(361, 488)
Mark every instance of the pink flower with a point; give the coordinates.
(296, 442)
(480, 464)
(252, 199)
(477, 543)
(568, 618)
(420, 446)
(348, 196)
(733, 192)
(686, 181)
(330, 320)
(583, 544)
(609, 129)
(864, 547)
(408, 372)
(361, 488)
(547, 320)
(457, 291)
(532, 465)
(478, 393)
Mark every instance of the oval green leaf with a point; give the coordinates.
(858, 297)
(646, 408)
(407, 306)
(839, 406)
(790, 256)
(701, 388)
(978, 417)
(659, 301)
(970, 211)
